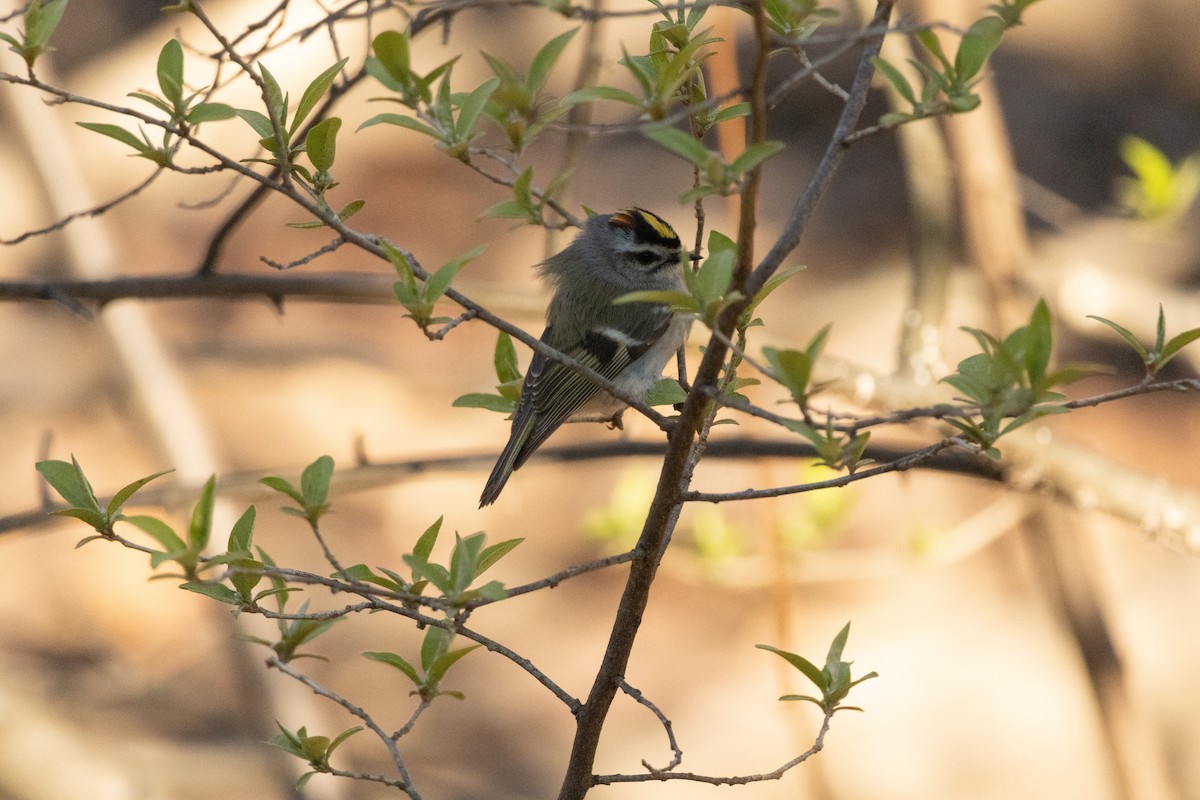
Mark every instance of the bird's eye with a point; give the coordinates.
(645, 257)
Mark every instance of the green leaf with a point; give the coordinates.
(978, 43)
(896, 79)
(435, 645)
(1177, 343)
(217, 591)
(1125, 334)
(734, 111)
(258, 121)
(242, 533)
(543, 62)
(490, 555)
(442, 664)
(209, 112)
(810, 670)
(489, 402)
(321, 143)
(116, 132)
(402, 121)
(391, 48)
(126, 492)
(200, 527)
(440, 281)
(313, 94)
(41, 20)
(424, 545)
(283, 486)
(754, 155)
(591, 94)
(314, 481)
(472, 106)
(681, 144)
(505, 359)
(70, 482)
(274, 97)
(393, 660)
(667, 392)
(170, 72)
(158, 530)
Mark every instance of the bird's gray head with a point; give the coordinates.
(630, 249)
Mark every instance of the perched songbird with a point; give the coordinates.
(630, 344)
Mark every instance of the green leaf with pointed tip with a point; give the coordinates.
(41, 20)
(314, 481)
(440, 281)
(681, 144)
(1177, 343)
(1125, 334)
(216, 591)
(70, 482)
(488, 402)
(442, 664)
(591, 94)
(283, 486)
(401, 121)
(313, 94)
(393, 660)
(274, 97)
(200, 527)
(801, 663)
(127, 491)
(896, 79)
(505, 359)
(258, 121)
(434, 646)
(543, 62)
(209, 112)
(116, 132)
(472, 106)
(158, 530)
(242, 534)
(493, 553)
(667, 392)
(754, 155)
(976, 46)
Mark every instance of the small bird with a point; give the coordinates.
(630, 344)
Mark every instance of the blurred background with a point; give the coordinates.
(1026, 647)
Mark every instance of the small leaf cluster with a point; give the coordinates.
(715, 175)
(419, 296)
(181, 109)
(316, 750)
(450, 118)
(1158, 188)
(797, 19)
(1156, 357)
(948, 90)
(41, 19)
(510, 381)
(793, 369)
(669, 73)
(469, 558)
(519, 105)
(279, 137)
(834, 680)
(1010, 380)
